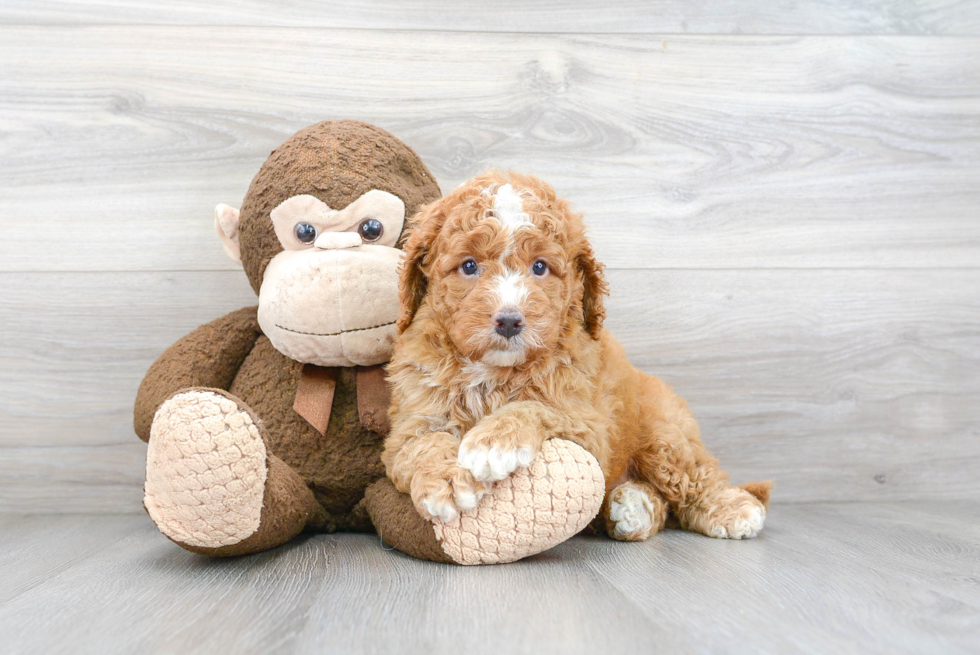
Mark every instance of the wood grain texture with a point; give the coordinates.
(37, 548)
(80, 343)
(790, 221)
(689, 152)
(73, 479)
(841, 385)
(622, 16)
(846, 572)
(867, 577)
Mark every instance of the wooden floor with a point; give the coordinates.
(868, 577)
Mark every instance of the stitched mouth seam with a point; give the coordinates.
(334, 334)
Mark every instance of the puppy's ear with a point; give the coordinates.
(594, 288)
(412, 283)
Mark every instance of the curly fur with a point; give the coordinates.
(469, 406)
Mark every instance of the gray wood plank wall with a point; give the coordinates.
(787, 196)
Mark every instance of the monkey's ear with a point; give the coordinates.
(412, 283)
(226, 221)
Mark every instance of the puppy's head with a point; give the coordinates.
(504, 268)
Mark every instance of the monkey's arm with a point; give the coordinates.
(210, 356)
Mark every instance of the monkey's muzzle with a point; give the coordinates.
(334, 307)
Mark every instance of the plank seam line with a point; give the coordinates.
(327, 28)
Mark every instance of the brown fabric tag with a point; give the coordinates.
(373, 398)
(314, 395)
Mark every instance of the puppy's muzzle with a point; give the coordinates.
(509, 323)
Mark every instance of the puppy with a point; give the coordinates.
(501, 347)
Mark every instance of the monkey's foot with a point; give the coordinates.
(211, 486)
(532, 510)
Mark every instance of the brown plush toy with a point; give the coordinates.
(271, 420)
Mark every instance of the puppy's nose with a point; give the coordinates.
(509, 323)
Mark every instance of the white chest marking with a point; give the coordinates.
(482, 383)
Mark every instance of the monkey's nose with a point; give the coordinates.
(337, 240)
(509, 323)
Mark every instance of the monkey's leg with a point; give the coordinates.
(535, 508)
(210, 357)
(211, 485)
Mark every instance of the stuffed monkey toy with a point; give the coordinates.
(271, 420)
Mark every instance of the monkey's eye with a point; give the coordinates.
(370, 229)
(305, 232)
(539, 268)
(469, 267)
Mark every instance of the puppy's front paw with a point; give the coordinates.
(444, 496)
(494, 449)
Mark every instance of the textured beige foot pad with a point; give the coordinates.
(205, 470)
(531, 511)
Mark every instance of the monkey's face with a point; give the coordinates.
(331, 296)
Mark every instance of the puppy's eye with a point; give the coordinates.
(305, 232)
(469, 267)
(370, 229)
(539, 268)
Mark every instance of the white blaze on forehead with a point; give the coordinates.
(510, 289)
(508, 208)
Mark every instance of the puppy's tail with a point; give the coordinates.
(760, 490)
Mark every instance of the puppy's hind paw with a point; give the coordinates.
(745, 524)
(732, 514)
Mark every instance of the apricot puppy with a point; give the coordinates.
(501, 347)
